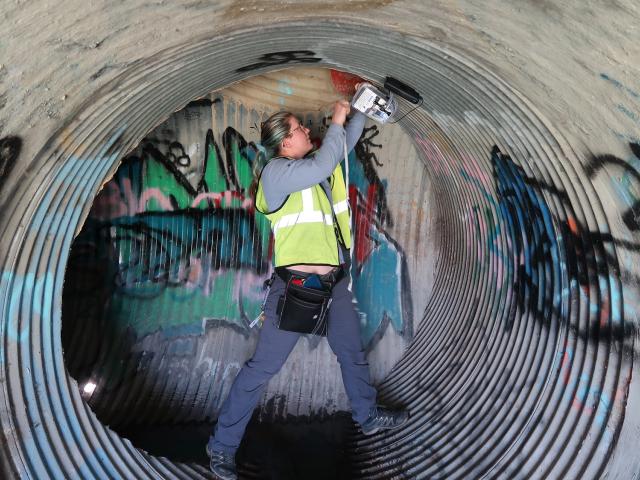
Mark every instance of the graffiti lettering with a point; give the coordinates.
(281, 58)
(528, 225)
(536, 251)
(364, 152)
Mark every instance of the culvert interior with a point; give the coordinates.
(506, 327)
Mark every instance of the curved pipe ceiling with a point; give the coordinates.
(521, 364)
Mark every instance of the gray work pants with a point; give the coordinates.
(272, 350)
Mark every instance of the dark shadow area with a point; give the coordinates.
(298, 448)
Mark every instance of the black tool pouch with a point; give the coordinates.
(303, 310)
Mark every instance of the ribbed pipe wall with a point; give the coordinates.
(522, 364)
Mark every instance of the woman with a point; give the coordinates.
(305, 199)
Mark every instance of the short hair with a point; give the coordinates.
(274, 130)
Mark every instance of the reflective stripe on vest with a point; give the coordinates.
(340, 207)
(307, 215)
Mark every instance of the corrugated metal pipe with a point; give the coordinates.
(521, 364)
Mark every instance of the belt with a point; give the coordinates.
(329, 278)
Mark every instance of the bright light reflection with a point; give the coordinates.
(89, 387)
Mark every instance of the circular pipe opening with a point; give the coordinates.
(519, 364)
(167, 273)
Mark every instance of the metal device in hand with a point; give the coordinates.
(380, 104)
(374, 103)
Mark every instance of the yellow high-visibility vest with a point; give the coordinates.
(303, 226)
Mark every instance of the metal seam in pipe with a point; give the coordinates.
(515, 369)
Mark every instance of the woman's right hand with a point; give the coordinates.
(340, 111)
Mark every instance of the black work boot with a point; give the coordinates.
(381, 418)
(222, 464)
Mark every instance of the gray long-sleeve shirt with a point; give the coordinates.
(283, 176)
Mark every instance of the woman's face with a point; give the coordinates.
(298, 139)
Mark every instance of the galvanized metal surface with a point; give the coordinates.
(521, 364)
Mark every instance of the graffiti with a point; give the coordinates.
(377, 260)
(36, 289)
(281, 58)
(539, 255)
(620, 86)
(516, 228)
(365, 152)
(629, 178)
(173, 242)
(631, 93)
(10, 148)
(177, 224)
(624, 177)
(588, 398)
(631, 115)
(27, 286)
(631, 175)
(380, 282)
(527, 222)
(177, 155)
(575, 240)
(169, 249)
(603, 295)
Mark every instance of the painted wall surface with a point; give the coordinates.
(513, 204)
